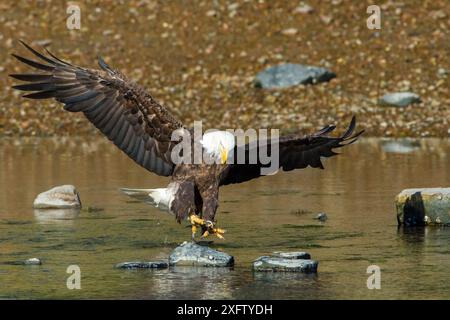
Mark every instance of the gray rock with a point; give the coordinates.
(304, 8)
(192, 254)
(289, 32)
(442, 73)
(419, 207)
(292, 255)
(61, 197)
(33, 261)
(276, 264)
(438, 14)
(43, 42)
(322, 216)
(399, 99)
(142, 265)
(289, 74)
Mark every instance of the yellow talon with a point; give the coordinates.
(215, 231)
(205, 234)
(196, 222)
(219, 233)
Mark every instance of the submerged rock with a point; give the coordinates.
(322, 216)
(33, 261)
(142, 265)
(292, 255)
(290, 74)
(61, 197)
(192, 254)
(399, 99)
(277, 264)
(419, 207)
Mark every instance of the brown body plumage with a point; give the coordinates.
(142, 128)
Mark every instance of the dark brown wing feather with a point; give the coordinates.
(294, 153)
(120, 109)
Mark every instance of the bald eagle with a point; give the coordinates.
(142, 128)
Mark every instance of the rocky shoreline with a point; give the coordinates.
(208, 74)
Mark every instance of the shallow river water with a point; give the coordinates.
(356, 190)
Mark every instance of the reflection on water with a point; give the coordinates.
(55, 215)
(356, 190)
(401, 146)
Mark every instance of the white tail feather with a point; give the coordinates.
(161, 198)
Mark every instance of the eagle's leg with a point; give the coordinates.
(210, 197)
(196, 222)
(208, 227)
(194, 231)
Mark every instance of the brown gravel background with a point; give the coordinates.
(199, 58)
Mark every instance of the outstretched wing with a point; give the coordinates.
(119, 108)
(294, 153)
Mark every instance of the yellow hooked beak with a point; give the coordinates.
(223, 154)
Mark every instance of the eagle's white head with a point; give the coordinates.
(218, 144)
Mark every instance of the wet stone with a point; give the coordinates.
(427, 206)
(292, 255)
(142, 265)
(277, 264)
(289, 74)
(60, 197)
(399, 99)
(33, 261)
(192, 254)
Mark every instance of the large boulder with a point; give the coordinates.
(192, 254)
(419, 207)
(60, 197)
(290, 74)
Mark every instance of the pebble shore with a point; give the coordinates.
(200, 60)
